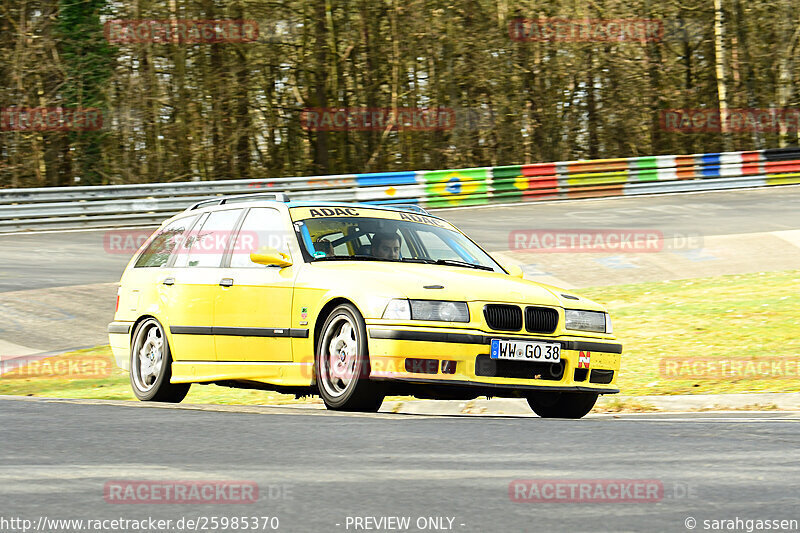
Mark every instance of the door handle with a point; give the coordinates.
(169, 281)
(226, 282)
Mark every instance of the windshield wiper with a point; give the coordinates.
(449, 262)
(416, 260)
(344, 258)
(352, 258)
(453, 262)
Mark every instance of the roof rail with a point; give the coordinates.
(412, 208)
(252, 197)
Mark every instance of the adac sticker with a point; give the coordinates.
(421, 218)
(583, 359)
(333, 212)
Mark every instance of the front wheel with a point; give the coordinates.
(562, 404)
(151, 365)
(342, 363)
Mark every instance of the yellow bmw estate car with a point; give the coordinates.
(351, 302)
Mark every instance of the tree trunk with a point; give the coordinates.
(722, 90)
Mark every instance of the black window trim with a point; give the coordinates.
(201, 219)
(227, 246)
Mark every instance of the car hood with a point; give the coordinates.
(409, 280)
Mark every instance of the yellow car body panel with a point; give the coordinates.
(226, 340)
(258, 299)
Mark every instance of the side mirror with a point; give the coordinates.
(270, 256)
(514, 271)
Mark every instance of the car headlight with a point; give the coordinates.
(587, 321)
(427, 310)
(397, 310)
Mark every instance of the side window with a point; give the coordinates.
(263, 227)
(207, 244)
(158, 251)
(361, 246)
(329, 249)
(181, 252)
(405, 251)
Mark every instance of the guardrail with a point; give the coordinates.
(134, 204)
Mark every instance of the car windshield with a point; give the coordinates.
(384, 239)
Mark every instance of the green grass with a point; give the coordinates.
(116, 386)
(724, 318)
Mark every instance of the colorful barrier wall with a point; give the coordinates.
(610, 177)
(152, 202)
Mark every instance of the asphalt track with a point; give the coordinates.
(316, 469)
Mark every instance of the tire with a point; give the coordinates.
(562, 404)
(341, 363)
(151, 365)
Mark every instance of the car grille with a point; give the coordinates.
(503, 368)
(503, 317)
(540, 319)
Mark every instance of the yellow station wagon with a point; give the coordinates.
(351, 302)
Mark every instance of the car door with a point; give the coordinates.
(149, 286)
(252, 319)
(195, 277)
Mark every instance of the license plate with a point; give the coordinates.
(526, 351)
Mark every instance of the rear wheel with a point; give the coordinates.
(562, 404)
(151, 365)
(342, 363)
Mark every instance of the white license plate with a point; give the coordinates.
(526, 351)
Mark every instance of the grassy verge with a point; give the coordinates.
(744, 329)
(729, 322)
(94, 375)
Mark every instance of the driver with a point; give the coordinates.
(386, 245)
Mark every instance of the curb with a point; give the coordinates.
(766, 401)
(610, 404)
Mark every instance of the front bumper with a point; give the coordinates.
(460, 358)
